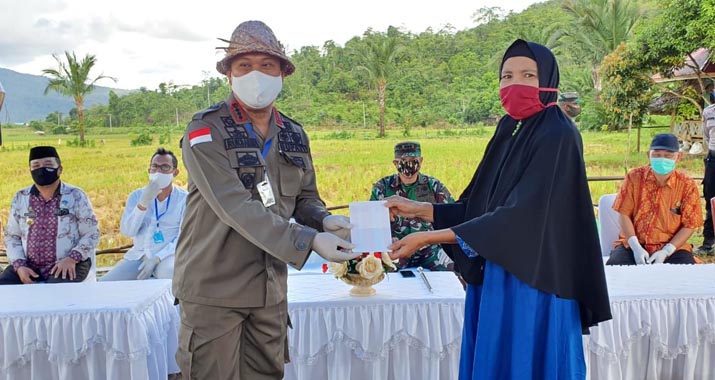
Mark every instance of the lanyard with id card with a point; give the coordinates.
(158, 236)
(264, 187)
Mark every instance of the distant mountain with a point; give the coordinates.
(25, 99)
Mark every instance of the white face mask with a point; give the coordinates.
(162, 179)
(256, 89)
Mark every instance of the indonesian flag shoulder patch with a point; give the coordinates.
(199, 136)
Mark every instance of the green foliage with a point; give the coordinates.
(600, 26)
(72, 79)
(58, 130)
(474, 132)
(143, 138)
(593, 116)
(378, 58)
(666, 43)
(626, 89)
(339, 135)
(447, 78)
(38, 125)
(77, 143)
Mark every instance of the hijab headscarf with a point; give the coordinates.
(528, 207)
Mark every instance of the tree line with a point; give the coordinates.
(607, 50)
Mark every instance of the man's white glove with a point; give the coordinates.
(328, 247)
(639, 253)
(146, 268)
(150, 192)
(338, 225)
(658, 257)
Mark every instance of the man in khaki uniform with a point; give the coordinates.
(250, 170)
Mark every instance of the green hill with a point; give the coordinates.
(25, 99)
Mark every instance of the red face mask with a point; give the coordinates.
(521, 101)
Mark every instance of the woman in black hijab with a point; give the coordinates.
(523, 235)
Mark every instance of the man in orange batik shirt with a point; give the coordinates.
(659, 209)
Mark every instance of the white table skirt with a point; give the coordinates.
(102, 330)
(402, 332)
(663, 324)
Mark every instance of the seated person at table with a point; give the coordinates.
(152, 216)
(51, 232)
(659, 208)
(409, 183)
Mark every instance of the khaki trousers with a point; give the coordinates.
(217, 343)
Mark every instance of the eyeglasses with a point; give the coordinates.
(164, 168)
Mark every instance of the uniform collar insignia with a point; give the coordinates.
(237, 112)
(277, 117)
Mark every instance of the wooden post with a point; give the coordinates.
(638, 139)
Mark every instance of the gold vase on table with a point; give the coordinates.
(362, 287)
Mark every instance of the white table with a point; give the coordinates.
(402, 332)
(102, 330)
(663, 325)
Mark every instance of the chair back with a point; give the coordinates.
(608, 220)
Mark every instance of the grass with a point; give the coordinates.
(347, 164)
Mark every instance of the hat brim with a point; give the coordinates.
(661, 147)
(411, 154)
(224, 65)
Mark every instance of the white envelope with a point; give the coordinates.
(371, 226)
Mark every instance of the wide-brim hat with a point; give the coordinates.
(253, 37)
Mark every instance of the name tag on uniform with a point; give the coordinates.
(158, 237)
(266, 192)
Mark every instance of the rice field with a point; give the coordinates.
(347, 164)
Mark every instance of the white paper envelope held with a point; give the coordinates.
(371, 226)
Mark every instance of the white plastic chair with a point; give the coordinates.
(92, 275)
(608, 220)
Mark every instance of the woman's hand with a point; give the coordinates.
(400, 206)
(408, 245)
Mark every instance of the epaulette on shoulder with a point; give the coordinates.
(200, 115)
(287, 120)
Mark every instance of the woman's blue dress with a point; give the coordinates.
(515, 332)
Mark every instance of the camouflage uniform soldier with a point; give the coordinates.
(250, 170)
(569, 103)
(409, 183)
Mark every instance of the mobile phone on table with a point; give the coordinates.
(407, 273)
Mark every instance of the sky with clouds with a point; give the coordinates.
(146, 42)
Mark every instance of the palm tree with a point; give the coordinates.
(72, 79)
(600, 26)
(378, 59)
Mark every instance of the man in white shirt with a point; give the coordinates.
(153, 217)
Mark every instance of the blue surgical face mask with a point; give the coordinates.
(662, 165)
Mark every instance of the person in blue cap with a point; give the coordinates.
(659, 209)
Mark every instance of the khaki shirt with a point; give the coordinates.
(232, 251)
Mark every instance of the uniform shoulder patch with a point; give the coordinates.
(200, 135)
(200, 115)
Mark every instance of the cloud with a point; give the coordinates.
(32, 28)
(143, 43)
(164, 29)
